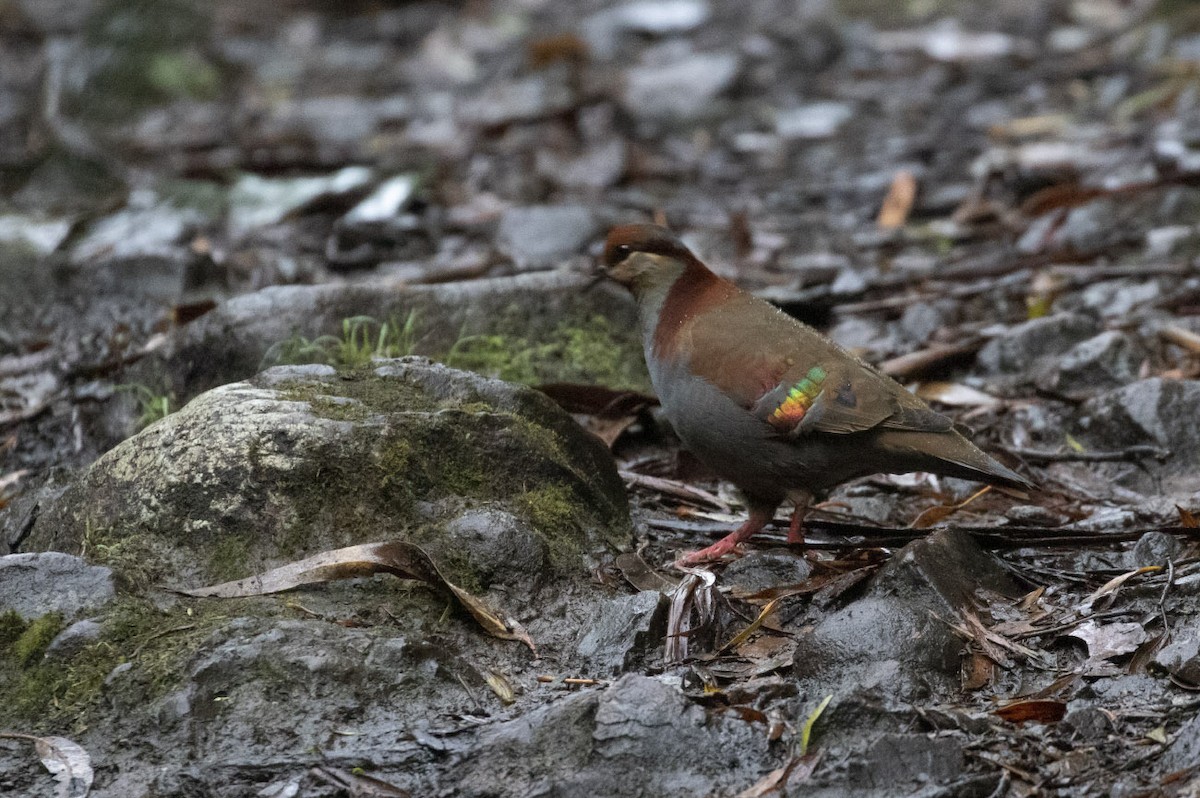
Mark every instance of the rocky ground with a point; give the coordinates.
(278, 280)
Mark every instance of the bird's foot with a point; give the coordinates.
(726, 545)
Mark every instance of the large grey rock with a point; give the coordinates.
(1183, 752)
(1025, 348)
(302, 459)
(891, 640)
(231, 342)
(1157, 412)
(1106, 361)
(638, 737)
(34, 584)
(543, 236)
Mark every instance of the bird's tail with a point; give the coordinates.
(953, 455)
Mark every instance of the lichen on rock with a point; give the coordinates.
(302, 459)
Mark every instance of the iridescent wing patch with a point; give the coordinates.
(799, 400)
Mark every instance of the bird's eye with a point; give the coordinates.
(623, 251)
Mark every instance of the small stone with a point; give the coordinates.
(1099, 364)
(623, 629)
(515, 101)
(71, 641)
(543, 236)
(760, 570)
(1086, 723)
(597, 167)
(1181, 657)
(148, 227)
(895, 759)
(1021, 347)
(385, 202)
(1155, 548)
(921, 320)
(1162, 241)
(1033, 515)
(813, 121)
(680, 89)
(499, 547)
(1117, 299)
(662, 17)
(50, 581)
(849, 282)
(39, 234)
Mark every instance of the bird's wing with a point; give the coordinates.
(797, 380)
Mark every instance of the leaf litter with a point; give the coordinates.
(396, 557)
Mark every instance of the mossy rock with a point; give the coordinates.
(305, 458)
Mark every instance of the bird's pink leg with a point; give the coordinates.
(796, 527)
(754, 524)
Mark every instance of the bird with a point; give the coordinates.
(768, 402)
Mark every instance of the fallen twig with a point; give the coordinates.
(1070, 456)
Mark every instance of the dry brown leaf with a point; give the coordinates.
(932, 515)
(1114, 584)
(501, 686)
(898, 203)
(743, 635)
(955, 394)
(1187, 519)
(1110, 640)
(638, 573)
(693, 595)
(977, 671)
(675, 489)
(397, 557)
(606, 412)
(1041, 711)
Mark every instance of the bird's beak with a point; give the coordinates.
(598, 276)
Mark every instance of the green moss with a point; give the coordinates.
(46, 695)
(592, 353)
(33, 642)
(12, 625)
(138, 560)
(152, 405)
(553, 510)
(229, 558)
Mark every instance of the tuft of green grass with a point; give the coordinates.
(152, 406)
(363, 338)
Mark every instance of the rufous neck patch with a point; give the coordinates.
(800, 398)
(695, 291)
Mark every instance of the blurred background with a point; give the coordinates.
(159, 158)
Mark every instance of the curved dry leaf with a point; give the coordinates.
(397, 557)
(955, 394)
(66, 760)
(1112, 585)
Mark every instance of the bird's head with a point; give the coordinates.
(645, 258)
